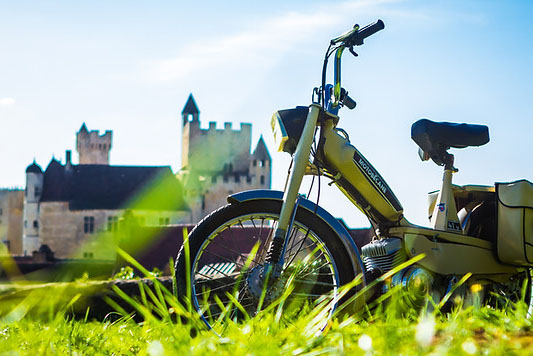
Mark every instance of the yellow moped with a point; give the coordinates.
(265, 244)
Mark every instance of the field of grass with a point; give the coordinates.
(167, 328)
(470, 331)
(42, 322)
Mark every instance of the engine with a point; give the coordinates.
(381, 256)
(384, 254)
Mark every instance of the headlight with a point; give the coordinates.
(287, 126)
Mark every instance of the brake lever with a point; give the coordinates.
(352, 51)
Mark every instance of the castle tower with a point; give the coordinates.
(210, 151)
(191, 127)
(92, 147)
(261, 164)
(218, 162)
(32, 196)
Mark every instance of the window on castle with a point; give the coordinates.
(248, 179)
(213, 179)
(37, 192)
(255, 162)
(88, 224)
(203, 202)
(164, 221)
(88, 255)
(262, 179)
(112, 223)
(237, 178)
(25, 223)
(261, 163)
(35, 224)
(230, 167)
(225, 179)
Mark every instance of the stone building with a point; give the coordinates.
(72, 208)
(11, 201)
(75, 209)
(216, 163)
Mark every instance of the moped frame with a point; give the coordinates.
(369, 192)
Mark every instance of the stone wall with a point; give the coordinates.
(11, 203)
(214, 150)
(92, 233)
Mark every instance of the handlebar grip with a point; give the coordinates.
(349, 102)
(369, 30)
(346, 100)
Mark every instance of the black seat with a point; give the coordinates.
(436, 138)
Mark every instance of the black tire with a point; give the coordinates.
(220, 261)
(517, 290)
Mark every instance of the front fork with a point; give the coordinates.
(276, 252)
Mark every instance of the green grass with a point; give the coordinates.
(172, 329)
(468, 331)
(169, 328)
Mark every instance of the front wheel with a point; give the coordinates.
(227, 255)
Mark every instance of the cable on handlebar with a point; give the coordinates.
(354, 37)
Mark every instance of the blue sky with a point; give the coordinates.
(128, 66)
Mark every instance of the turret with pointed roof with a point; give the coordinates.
(34, 168)
(32, 194)
(189, 109)
(261, 151)
(83, 129)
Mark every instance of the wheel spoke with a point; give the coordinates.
(234, 251)
(224, 286)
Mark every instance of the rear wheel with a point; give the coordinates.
(227, 255)
(518, 288)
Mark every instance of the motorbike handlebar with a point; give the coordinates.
(356, 36)
(369, 30)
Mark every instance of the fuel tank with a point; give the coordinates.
(358, 179)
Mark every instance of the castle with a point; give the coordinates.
(67, 206)
(75, 209)
(216, 163)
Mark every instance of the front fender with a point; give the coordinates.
(322, 214)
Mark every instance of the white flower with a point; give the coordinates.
(469, 346)
(365, 342)
(155, 349)
(425, 330)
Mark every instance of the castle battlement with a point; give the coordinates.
(95, 135)
(244, 128)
